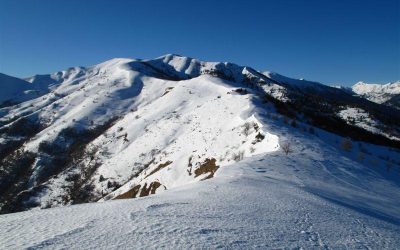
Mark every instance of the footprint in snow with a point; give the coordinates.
(207, 231)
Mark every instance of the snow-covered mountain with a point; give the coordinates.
(388, 94)
(15, 90)
(127, 128)
(183, 128)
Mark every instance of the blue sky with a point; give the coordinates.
(335, 42)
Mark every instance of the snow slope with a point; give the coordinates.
(317, 197)
(362, 119)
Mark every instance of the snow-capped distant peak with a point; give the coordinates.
(15, 90)
(390, 88)
(379, 93)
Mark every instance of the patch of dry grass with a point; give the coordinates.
(208, 166)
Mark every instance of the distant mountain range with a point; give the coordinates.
(386, 94)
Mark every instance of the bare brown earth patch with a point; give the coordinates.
(159, 167)
(145, 191)
(129, 194)
(208, 166)
(151, 189)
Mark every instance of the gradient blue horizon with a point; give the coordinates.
(333, 42)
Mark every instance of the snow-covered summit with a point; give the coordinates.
(390, 88)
